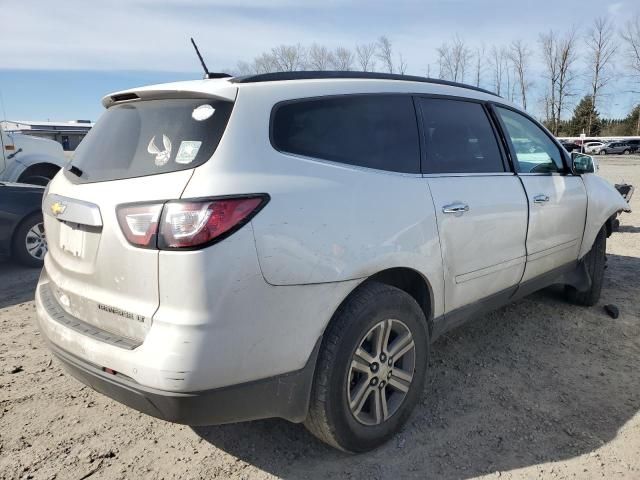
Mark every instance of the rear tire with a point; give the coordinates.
(595, 262)
(602, 152)
(626, 152)
(362, 394)
(29, 243)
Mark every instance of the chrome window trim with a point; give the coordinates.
(476, 174)
(549, 174)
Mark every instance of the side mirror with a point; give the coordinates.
(582, 163)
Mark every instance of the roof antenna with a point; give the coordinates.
(207, 73)
(204, 65)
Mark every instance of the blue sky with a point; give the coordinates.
(60, 58)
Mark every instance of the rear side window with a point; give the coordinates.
(150, 137)
(458, 138)
(375, 131)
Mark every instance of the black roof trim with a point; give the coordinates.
(216, 75)
(319, 75)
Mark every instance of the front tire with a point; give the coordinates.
(371, 369)
(594, 261)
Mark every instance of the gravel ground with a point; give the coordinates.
(539, 388)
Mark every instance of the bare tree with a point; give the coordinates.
(289, 58)
(365, 53)
(567, 57)
(511, 80)
(601, 50)
(265, 63)
(480, 56)
(402, 64)
(631, 35)
(519, 55)
(454, 59)
(342, 59)
(319, 57)
(244, 68)
(548, 42)
(385, 53)
(546, 105)
(499, 65)
(445, 61)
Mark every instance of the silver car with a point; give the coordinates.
(290, 245)
(612, 148)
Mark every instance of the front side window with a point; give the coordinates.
(535, 151)
(458, 138)
(374, 131)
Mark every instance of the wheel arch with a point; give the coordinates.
(35, 167)
(406, 279)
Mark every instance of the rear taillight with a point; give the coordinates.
(187, 224)
(139, 223)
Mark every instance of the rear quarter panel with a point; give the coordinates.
(326, 222)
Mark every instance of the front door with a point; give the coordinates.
(557, 199)
(481, 208)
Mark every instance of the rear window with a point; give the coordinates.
(151, 137)
(374, 131)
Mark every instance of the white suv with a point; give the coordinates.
(289, 245)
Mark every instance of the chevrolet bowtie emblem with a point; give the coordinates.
(58, 208)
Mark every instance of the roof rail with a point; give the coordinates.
(319, 75)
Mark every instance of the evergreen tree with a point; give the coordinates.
(632, 122)
(580, 121)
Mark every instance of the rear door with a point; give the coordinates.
(138, 152)
(557, 199)
(481, 208)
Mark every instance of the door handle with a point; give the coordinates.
(457, 207)
(541, 199)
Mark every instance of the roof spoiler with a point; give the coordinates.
(222, 90)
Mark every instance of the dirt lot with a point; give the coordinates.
(540, 388)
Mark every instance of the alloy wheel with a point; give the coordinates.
(381, 372)
(36, 241)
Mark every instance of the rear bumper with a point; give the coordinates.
(284, 396)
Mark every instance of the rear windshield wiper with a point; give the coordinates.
(75, 170)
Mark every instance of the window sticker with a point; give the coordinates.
(162, 156)
(202, 112)
(187, 151)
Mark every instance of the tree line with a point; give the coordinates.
(569, 60)
(365, 57)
